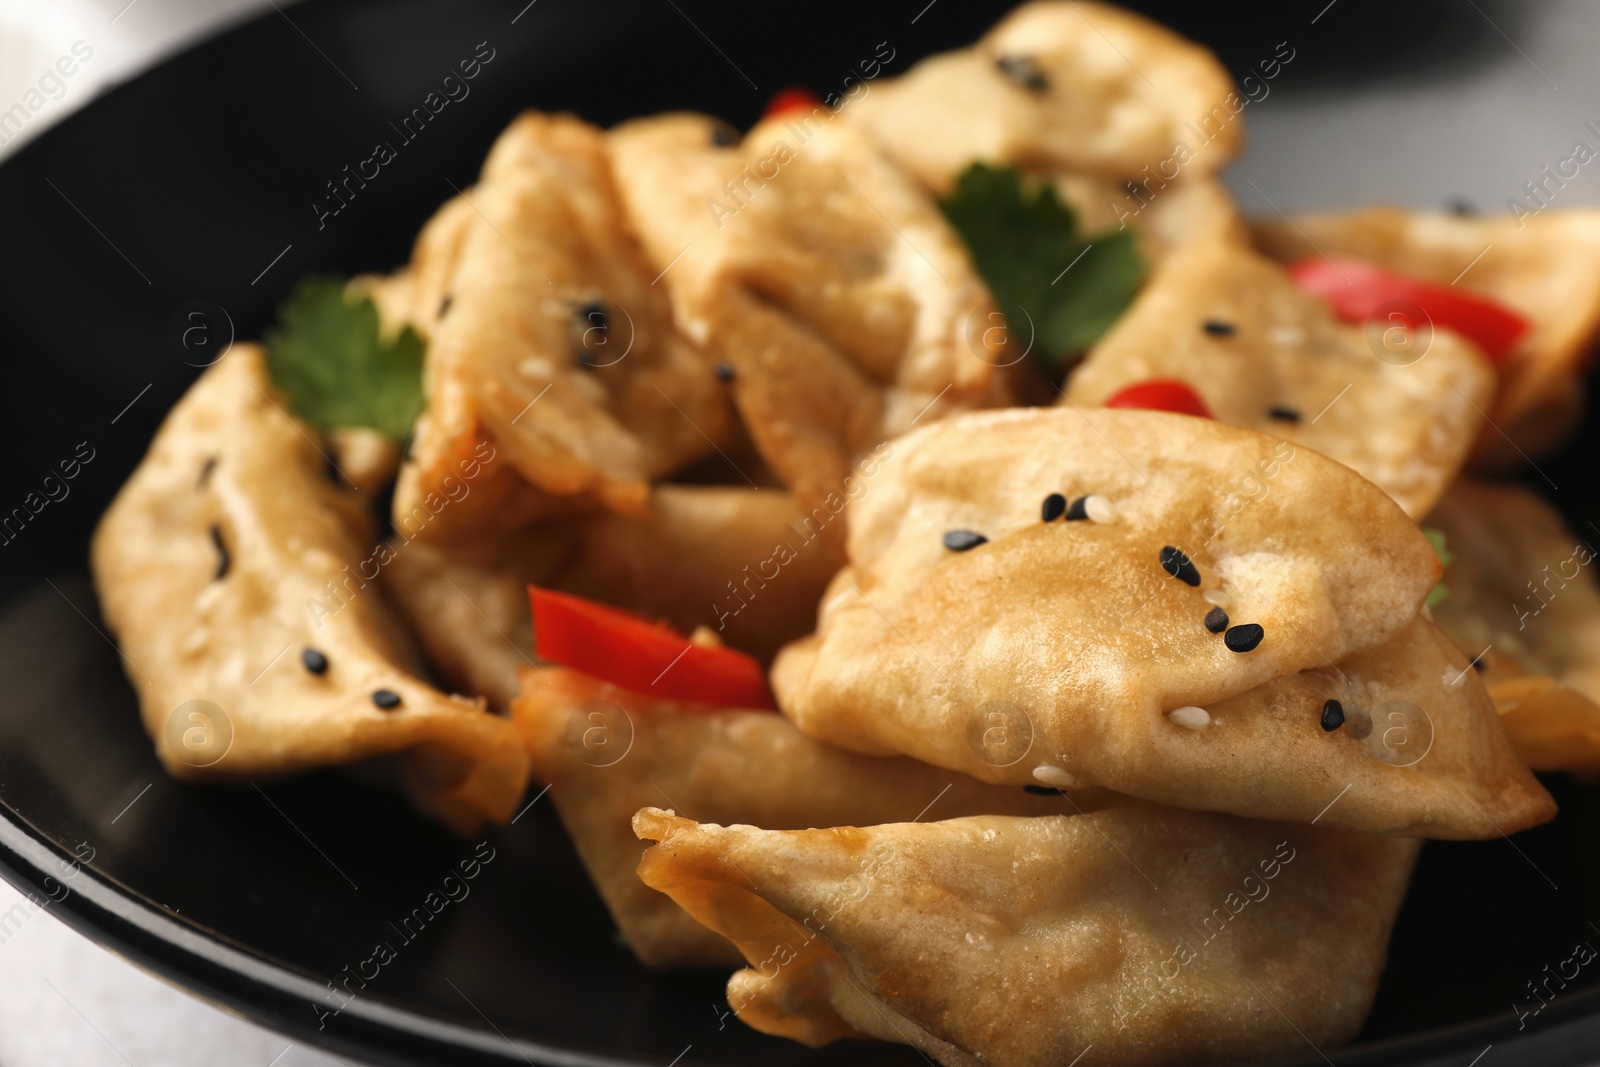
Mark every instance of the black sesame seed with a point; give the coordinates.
(963, 540)
(1243, 638)
(723, 135)
(588, 332)
(1024, 72)
(723, 371)
(444, 304)
(1332, 716)
(1055, 506)
(1176, 563)
(224, 558)
(1461, 207)
(1283, 414)
(1478, 666)
(386, 698)
(1216, 620)
(1041, 790)
(1217, 328)
(314, 661)
(206, 470)
(1077, 511)
(331, 472)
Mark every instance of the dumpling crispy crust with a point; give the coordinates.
(1546, 267)
(1197, 210)
(606, 753)
(1154, 935)
(843, 303)
(1060, 85)
(1055, 650)
(1421, 751)
(1523, 599)
(1078, 622)
(554, 345)
(224, 558)
(1287, 367)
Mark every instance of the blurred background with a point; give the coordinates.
(1428, 103)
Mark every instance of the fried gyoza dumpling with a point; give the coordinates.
(415, 295)
(1545, 267)
(1061, 86)
(606, 753)
(1154, 935)
(236, 578)
(845, 306)
(1267, 356)
(743, 562)
(552, 344)
(1523, 599)
(1208, 561)
(1198, 210)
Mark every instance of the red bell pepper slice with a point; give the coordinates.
(791, 99)
(636, 653)
(1160, 394)
(1357, 289)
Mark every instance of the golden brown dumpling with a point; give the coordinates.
(1522, 599)
(968, 632)
(1061, 86)
(605, 753)
(1264, 355)
(238, 582)
(1545, 267)
(1151, 935)
(846, 308)
(553, 347)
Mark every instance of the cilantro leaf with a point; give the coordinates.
(1022, 241)
(328, 358)
(1435, 538)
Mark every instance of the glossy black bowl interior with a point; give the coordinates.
(199, 182)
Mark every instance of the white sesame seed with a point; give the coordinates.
(536, 367)
(1288, 336)
(1453, 678)
(1099, 509)
(1215, 596)
(1050, 774)
(1192, 717)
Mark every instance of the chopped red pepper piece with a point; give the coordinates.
(636, 653)
(1160, 394)
(1357, 289)
(791, 99)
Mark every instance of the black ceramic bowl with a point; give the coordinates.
(195, 187)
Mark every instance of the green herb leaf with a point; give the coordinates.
(1435, 538)
(327, 356)
(1022, 241)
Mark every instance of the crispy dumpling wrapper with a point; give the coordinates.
(1165, 218)
(1145, 933)
(747, 563)
(225, 555)
(555, 347)
(845, 305)
(1289, 368)
(1420, 751)
(1522, 598)
(606, 752)
(415, 295)
(1055, 651)
(1060, 85)
(1545, 267)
